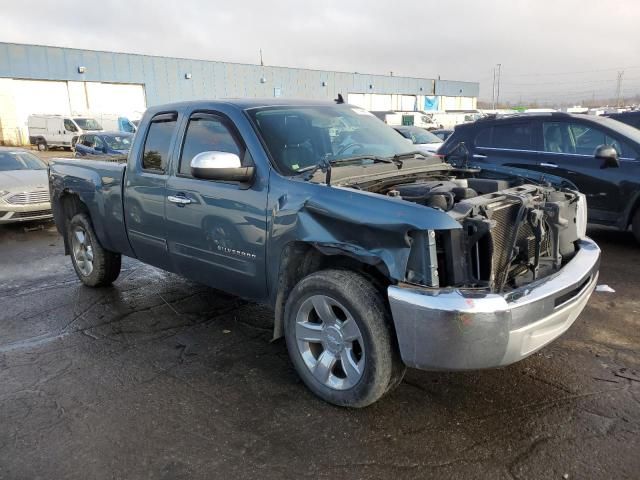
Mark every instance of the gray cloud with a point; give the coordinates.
(535, 40)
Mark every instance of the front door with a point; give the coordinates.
(145, 192)
(568, 151)
(217, 230)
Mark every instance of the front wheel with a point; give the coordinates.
(95, 266)
(339, 338)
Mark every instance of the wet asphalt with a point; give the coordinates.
(158, 377)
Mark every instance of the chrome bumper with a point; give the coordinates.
(10, 213)
(450, 329)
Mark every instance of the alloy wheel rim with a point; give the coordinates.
(330, 342)
(82, 250)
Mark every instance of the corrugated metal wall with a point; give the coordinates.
(164, 78)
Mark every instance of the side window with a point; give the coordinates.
(557, 138)
(517, 136)
(207, 133)
(158, 142)
(98, 144)
(87, 140)
(587, 138)
(483, 138)
(69, 126)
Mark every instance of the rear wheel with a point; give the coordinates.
(338, 334)
(42, 145)
(95, 266)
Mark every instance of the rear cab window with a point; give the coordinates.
(157, 145)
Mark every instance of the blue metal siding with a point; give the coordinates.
(164, 78)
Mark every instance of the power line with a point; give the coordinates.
(549, 74)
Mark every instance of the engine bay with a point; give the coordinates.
(512, 231)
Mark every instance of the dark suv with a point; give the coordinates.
(601, 156)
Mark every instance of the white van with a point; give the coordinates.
(417, 119)
(115, 123)
(57, 130)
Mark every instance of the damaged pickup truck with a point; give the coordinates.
(373, 257)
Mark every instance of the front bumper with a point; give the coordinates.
(449, 329)
(24, 213)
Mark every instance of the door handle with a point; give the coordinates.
(477, 155)
(179, 199)
(550, 165)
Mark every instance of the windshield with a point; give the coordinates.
(20, 161)
(419, 135)
(87, 124)
(301, 137)
(118, 142)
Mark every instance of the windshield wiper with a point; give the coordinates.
(325, 164)
(408, 155)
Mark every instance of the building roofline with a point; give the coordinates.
(230, 62)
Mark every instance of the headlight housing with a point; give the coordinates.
(581, 216)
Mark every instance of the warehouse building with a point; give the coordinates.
(68, 81)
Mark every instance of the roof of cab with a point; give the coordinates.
(243, 103)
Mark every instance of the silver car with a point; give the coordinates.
(24, 188)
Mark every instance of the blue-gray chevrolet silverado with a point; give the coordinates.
(373, 257)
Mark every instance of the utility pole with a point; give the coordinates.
(493, 90)
(619, 98)
(498, 85)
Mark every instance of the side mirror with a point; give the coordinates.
(609, 155)
(223, 166)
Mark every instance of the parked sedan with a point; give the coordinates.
(425, 141)
(104, 143)
(601, 156)
(24, 188)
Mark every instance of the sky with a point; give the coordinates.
(553, 50)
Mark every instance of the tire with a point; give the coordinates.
(337, 329)
(42, 145)
(95, 266)
(635, 225)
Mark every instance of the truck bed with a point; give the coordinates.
(99, 184)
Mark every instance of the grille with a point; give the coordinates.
(28, 198)
(37, 213)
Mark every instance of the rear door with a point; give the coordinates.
(510, 144)
(217, 234)
(145, 191)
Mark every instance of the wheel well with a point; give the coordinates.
(70, 205)
(300, 259)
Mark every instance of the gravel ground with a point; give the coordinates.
(157, 377)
